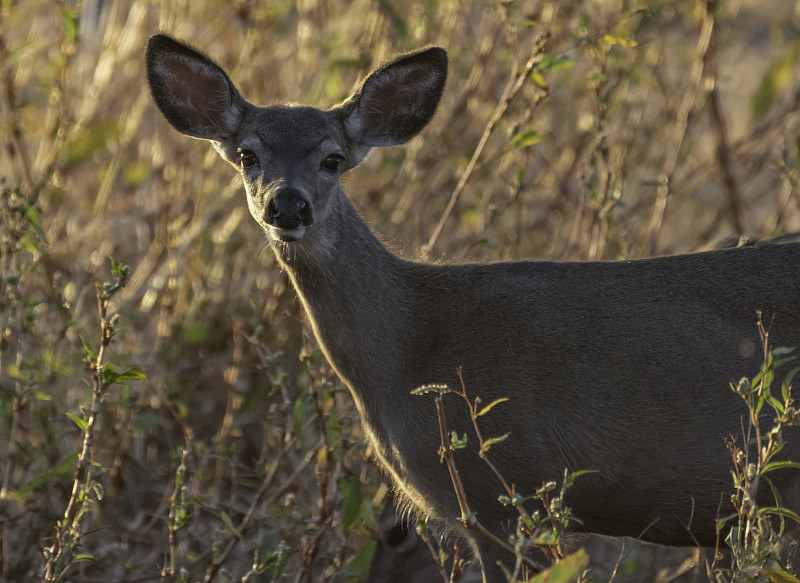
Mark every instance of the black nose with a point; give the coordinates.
(288, 209)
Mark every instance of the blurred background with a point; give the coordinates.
(584, 130)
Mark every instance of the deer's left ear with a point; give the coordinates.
(192, 91)
(397, 100)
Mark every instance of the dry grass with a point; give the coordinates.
(651, 128)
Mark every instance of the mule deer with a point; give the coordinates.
(621, 367)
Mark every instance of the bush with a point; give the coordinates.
(616, 131)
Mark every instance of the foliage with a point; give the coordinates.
(239, 455)
(541, 529)
(754, 531)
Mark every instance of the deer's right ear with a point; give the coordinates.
(191, 90)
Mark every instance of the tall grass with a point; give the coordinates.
(639, 128)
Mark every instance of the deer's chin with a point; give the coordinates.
(286, 235)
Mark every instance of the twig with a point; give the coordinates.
(513, 86)
(17, 144)
(721, 127)
(325, 475)
(175, 520)
(467, 516)
(228, 546)
(510, 489)
(623, 555)
(60, 553)
(435, 555)
(678, 132)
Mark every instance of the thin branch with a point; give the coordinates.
(513, 86)
(435, 556)
(233, 538)
(60, 553)
(721, 127)
(678, 132)
(469, 519)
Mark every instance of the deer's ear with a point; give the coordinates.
(192, 91)
(397, 100)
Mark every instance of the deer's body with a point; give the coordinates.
(619, 367)
(622, 367)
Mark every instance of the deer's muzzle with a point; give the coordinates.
(287, 211)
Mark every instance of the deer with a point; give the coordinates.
(619, 367)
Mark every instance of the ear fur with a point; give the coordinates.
(192, 91)
(397, 100)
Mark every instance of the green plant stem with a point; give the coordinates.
(67, 531)
(467, 516)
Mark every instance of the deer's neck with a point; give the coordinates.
(353, 293)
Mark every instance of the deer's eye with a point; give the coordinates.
(332, 163)
(247, 158)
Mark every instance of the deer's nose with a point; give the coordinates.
(288, 209)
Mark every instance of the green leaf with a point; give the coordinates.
(351, 489)
(759, 401)
(778, 511)
(775, 404)
(776, 495)
(488, 407)
(195, 334)
(618, 40)
(79, 421)
(732, 540)
(537, 77)
(358, 564)
(782, 350)
(780, 577)
(298, 414)
(567, 570)
(491, 441)
(551, 62)
(120, 271)
(333, 430)
(32, 216)
(525, 139)
(725, 519)
(62, 471)
(227, 520)
(777, 77)
(779, 465)
(569, 478)
(90, 353)
(90, 140)
(787, 383)
(132, 374)
(457, 442)
(135, 174)
(85, 557)
(313, 356)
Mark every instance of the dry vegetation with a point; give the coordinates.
(643, 128)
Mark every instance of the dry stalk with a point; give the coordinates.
(515, 83)
(61, 554)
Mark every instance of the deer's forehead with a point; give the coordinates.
(295, 129)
